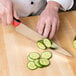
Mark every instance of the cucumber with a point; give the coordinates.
(30, 59)
(41, 45)
(34, 55)
(53, 46)
(46, 55)
(74, 43)
(47, 42)
(31, 66)
(37, 60)
(44, 62)
(37, 63)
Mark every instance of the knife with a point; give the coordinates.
(33, 35)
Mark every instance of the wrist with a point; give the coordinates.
(54, 5)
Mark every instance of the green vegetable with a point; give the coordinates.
(38, 64)
(38, 61)
(31, 65)
(46, 55)
(47, 42)
(44, 62)
(74, 42)
(53, 46)
(30, 59)
(34, 55)
(41, 45)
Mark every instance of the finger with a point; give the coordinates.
(9, 14)
(38, 24)
(52, 33)
(47, 29)
(4, 19)
(58, 25)
(40, 27)
(15, 13)
(0, 19)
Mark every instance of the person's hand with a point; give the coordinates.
(48, 22)
(7, 12)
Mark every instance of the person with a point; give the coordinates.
(48, 22)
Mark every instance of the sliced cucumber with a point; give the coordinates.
(30, 59)
(31, 66)
(75, 38)
(38, 61)
(41, 45)
(74, 43)
(47, 42)
(53, 46)
(34, 55)
(44, 62)
(46, 55)
(38, 64)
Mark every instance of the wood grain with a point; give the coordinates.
(14, 49)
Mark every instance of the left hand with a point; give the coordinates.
(48, 22)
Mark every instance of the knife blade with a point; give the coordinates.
(33, 35)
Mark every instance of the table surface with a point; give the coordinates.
(66, 32)
(63, 37)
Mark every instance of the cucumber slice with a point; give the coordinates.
(53, 46)
(31, 66)
(34, 55)
(44, 62)
(46, 55)
(30, 59)
(47, 42)
(41, 45)
(37, 63)
(74, 43)
(75, 38)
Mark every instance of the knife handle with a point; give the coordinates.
(16, 22)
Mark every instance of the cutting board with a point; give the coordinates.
(14, 49)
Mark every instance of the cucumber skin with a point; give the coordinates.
(54, 46)
(41, 41)
(30, 68)
(33, 58)
(30, 59)
(39, 66)
(47, 58)
(75, 38)
(45, 65)
(74, 44)
(49, 41)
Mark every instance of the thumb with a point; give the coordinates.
(15, 14)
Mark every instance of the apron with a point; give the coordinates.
(29, 7)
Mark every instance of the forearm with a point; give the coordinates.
(54, 5)
(65, 4)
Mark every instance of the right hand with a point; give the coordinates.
(7, 12)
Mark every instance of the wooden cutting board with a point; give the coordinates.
(14, 49)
